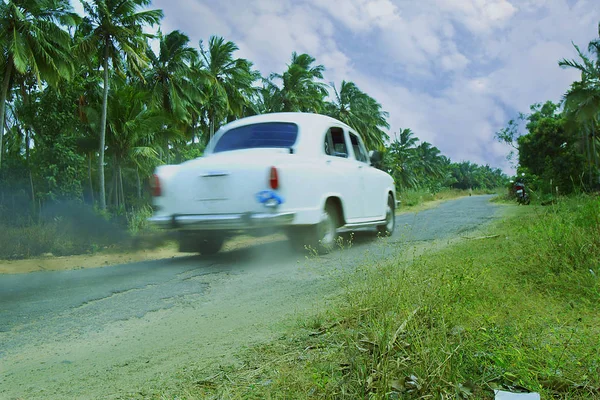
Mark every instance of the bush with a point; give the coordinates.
(63, 229)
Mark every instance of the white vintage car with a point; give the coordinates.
(306, 174)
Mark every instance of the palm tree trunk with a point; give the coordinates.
(32, 192)
(139, 183)
(211, 124)
(112, 192)
(121, 186)
(3, 96)
(27, 136)
(103, 131)
(193, 127)
(90, 178)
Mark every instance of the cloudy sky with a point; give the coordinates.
(454, 71)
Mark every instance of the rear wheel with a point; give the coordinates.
(387, 229)
(320, 237)
(190, 242)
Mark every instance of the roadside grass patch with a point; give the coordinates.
(79, 231)
(75, 228)
(413, 198)
(517, 309)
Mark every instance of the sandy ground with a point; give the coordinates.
(53, 263)
(116, 332)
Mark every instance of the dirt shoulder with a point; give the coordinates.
(53, 263)
(102, 259)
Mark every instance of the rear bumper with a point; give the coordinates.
(223, 221)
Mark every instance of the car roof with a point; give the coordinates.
(311, 126)
(299, 118)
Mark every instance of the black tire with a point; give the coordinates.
(321, 237)
(390, 217)
(196, 243)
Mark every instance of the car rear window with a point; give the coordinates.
(264, 135)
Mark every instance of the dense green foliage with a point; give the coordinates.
(92, 108)
(417, 165)
(559, 151)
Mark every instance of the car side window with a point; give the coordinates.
(328, 146)
(359, 150)
(335, 143)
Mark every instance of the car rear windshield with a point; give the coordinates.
(264, 135)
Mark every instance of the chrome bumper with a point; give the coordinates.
(222, 221)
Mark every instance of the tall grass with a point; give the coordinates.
(518, 311)
(65, 229)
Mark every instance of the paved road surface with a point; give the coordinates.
(107, 331)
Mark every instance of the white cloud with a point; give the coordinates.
(453, 62)
(359, 15)
(479, 16)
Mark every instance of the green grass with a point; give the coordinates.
(519, 311)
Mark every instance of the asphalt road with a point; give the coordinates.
(103, 332)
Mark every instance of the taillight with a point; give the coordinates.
(274, 178)
(155, 186)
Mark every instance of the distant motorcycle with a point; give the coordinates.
(521, 194)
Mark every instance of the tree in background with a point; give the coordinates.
(301, 88)
(399, 159)
(130, 136)
(582, 104)
(173, 87)
(421, 166)
(548, 150)
(113, 31)
(32, 39)
(228, 79)
(360, 111)
(169, 77)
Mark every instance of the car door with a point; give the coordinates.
(372, 192)
(343, 177)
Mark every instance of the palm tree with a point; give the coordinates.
(360, 111)
(130, 133)
(430, 161)
(228, 80)
(169, 76)
(32, 38)
(266, 99)
(112, 29)
(406, 140)
(301, 90)
(582, 105)
(582, 100)
(401, 155)
(174, 85)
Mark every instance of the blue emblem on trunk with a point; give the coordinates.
(269, 198)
